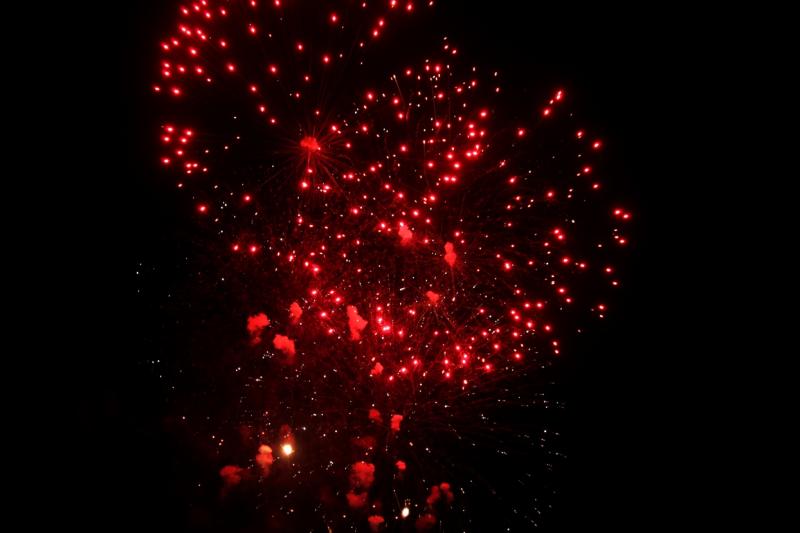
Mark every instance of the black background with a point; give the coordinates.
(632, 72)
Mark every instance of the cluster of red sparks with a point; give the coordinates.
(399, 243)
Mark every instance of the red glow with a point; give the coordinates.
(414, 238)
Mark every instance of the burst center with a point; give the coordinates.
(310, 143)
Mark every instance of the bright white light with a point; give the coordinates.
(404, 513)
(287, 449)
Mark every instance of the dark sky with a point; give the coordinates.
(627, 68)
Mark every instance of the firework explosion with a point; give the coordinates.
(398, 259)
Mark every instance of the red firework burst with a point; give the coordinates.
(399, 248)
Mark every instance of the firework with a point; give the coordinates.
(400, 252)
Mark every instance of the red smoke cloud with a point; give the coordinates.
(449, 254)
(284, 344)
(265, 458)
(362, 475)
(367, 442)
(405, 234)
(432, 297)
(356, 501)
(255, 325)
(375, 522)
(426, 522)
(231, 475)
(434, 496)
(376, 370)
(446, 492)
(295, 312)
(396, 419)
(355, 322)
(440, 493)
(375, 415)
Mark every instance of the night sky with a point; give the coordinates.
(153, 255)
